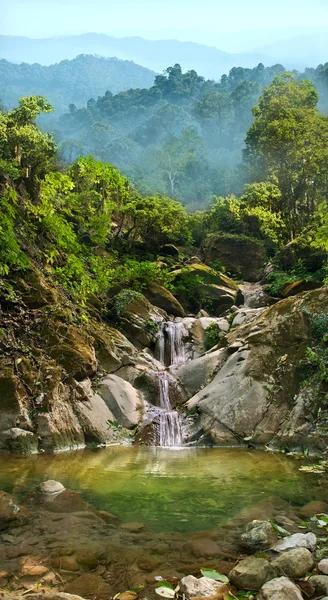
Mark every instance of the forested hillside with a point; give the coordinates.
(71, 81)
(182, 137)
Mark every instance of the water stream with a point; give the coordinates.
(171, 335)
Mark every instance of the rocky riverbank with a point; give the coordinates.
(55, 545)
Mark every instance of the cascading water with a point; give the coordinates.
(170, 428)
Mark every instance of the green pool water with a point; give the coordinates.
(169, 490)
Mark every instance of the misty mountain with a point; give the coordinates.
(156, 55)
(299, 51)
(71, 81)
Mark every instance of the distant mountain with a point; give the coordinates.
(156, 55)
(299, 51)
(71, 81)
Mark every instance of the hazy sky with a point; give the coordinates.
(43, 18)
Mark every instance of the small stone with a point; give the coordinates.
(107, 516)
(279, 588)
(320, 583)
(89, 585)
(161, 548)
(29, 570)
(66, 563)
(133, 527)
(147, 564)
(53, 596)
(199, 588)
(298, 540)
(251, 573)
(323, 566)
(313, 508)
(51, 487)
(127, 596)
(294, 563)
(258, 535)
(203, 547)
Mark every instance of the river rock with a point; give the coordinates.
(280, 588)
(297, 540)
(89, 585)
(199, 588)
(51, 487)
(320, 583)
(123, 400)
(11, 513)
(313, 508)
(294, 563)
(251, 573)
(203, 547)
(323, 566)
(133, 527)
(258, 535)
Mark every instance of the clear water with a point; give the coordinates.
(180, 490)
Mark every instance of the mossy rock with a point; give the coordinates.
(207, 275)
(139, 321)
(35, 290)
(71, 347)
(162, 298)
(111, 346)
(297, 287)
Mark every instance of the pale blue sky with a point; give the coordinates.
(157, 18)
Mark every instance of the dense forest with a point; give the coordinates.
(94, 231)
(71, 81)
(182, 137)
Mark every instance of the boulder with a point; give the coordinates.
(18, 441)
(112, 348)
(197, 373)
(251, 573)
(255, 296)
(245, 316)
(280, 588)
(294, 563)
(139, 319)
(36, 291)
(89, 585)
(200, 588)
(297, 287)
(313, 508)
(257, 393)
(123, 400)
(258, 535)
(71, 347)
(162, 298)
(13, 400)
(199, 327)
(297, 540)
(320, 583)
(243, 257)
(94, 415)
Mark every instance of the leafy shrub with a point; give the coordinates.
(123, 299)
(212, 336)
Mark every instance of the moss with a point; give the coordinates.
(11, 390)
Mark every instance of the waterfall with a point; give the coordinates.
(170, 428)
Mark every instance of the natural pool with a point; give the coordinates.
(181, 490)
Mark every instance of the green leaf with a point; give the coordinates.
(212, 574)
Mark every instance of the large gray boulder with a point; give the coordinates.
(122, 399)
(197, 373)
(280, 588)
(256, 394)
(251, 573)
(294, 563)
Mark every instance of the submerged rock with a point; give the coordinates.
(89, 585)
(251, 573)
(200, 588)
(313, 508)
(52, 596)
(11, 513)
(203, 547)
(280, 588)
